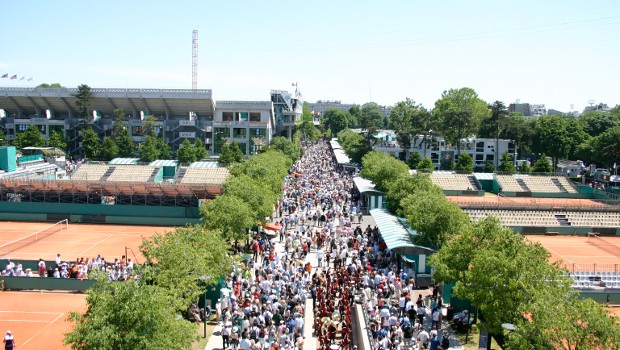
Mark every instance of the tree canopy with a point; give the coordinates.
(465, 163)
(31, 137)
(109, 149)
(186, 153)
(57, 140)
(230, 154)
(126, 147)
(228, 215)
(354, 144)
(404, 186)
(286, 146)
(83, 101)
(91, 145)
(382, 169)
(507, 165)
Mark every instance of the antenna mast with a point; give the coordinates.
(195, 59)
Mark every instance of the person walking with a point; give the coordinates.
(9, 341)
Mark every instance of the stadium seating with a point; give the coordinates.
(593, 219)
(135, 173)
(451, 181)
(548, 218)
(91, 172)
(203, 175)
(535, 183)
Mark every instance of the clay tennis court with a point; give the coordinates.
(76, 241)
(548, 203)
(578, 252)
(38, 320)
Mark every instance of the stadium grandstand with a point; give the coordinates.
(179, 114)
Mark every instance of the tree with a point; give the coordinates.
(91, 145)
(336, 120)
(199, 150)
(354, 144)
(285, 146)
(552, 137)
(230, 216)
(57, 140)
(413, 160)
(489, 167)
(493, 125)
(465, 163)
(542, 165)
(597, 122)
(435, 218)
(460, 112)
(356, 115)
(371, 119)
(31, 137)
(109, 149)
(3, 140)
(118, 116)
(257, 195)
(83, 101)
(524, 168)
(426, 164)
(516, 128)
(576, 136)
(149, 150)
(46, 85)
(507, 165)
(183, 261)
(382, 169)
(127, 315)
(268, 168)
(126, 147)
(408, 185)
(607, 147)
(165, 152)
(408, 119)
(186, 153)
(231, 154)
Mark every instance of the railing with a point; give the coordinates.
(594, 267)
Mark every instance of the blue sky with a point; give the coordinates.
(558, 52)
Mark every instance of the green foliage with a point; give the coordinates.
(336, 120)
(524, 168)
(126, 315)
(286, 146)
(435, 218)
(109, 149)
(184, 260)
(228, 215)
(199, 150)
(83, 101)
(118, 116)
(126, 147)
(356, 115)
(460, 112)
(31, 137)
(465, 163)
(409, 119)
(46, 85)
(493, 125)
(497, 270)
(371, 119)
(426, 164)
(91, 145)
(413, 160)
(165, 152)
(57, 140)
(186, 153)
(354, 144)
(604, 149)
(597, 122)
(408, 185)
(268, 168)
(308, 130)
(507, 165)
(3, 140)
(231, 154)
(149, 150)
(257, 195)
(489, 167)
(382, 169)
(542, 165)
(516, 128)
(551, 136)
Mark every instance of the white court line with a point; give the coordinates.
(42, 329)
(32, 312)
(560, 255)
(3, 320)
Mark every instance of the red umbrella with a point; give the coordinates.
(274, 227)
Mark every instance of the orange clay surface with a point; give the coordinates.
(577, 250)
(490, 198)
(79, 240)
(38, 320)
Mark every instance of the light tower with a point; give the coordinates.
(195, 59)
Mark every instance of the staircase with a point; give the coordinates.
(523, 185)
(562, 219)
(179, 175)
(472, 181)
(107, 174)
(154, 174)
(559, 185)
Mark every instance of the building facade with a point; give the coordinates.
(177, 114)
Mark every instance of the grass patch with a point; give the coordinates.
(472, 339)
(201, 343)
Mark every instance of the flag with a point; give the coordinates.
(30, 79)
(22, 78)
(5, 75)
(14, 77)
(293, 84)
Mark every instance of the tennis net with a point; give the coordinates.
(597, 241)
(33, 238)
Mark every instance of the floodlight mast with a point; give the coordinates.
(195, 59)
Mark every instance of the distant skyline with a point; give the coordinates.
(552, 52)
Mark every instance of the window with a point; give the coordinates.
(255, 117)
(137, 130)
(243, 147)
(490, 157)
(239, 132)
(257, 132)
(42, 128)
(227, 116)
(21, 127)
(479, 157)
(479, 146)
(219, 137)
(241, 116)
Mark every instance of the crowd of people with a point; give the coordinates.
(118, 270)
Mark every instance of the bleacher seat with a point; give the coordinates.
(452, 181)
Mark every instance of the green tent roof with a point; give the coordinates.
(163, 162)
(395, 235)
(124, 161)
(204, 165)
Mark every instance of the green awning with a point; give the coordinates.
(204, 165)
(124, 161)
(396, 236)
(365, 186)
(164, 162)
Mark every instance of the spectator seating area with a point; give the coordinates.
(535, 183)
(92, 172)
(591, 280)
(548, 218)
(136, 173)
(452, 181)
(202, 175)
